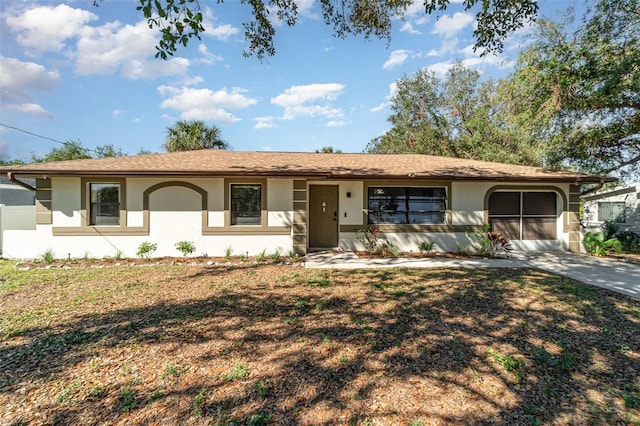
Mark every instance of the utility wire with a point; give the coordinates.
(44, 137)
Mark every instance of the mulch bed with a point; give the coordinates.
(266, 344)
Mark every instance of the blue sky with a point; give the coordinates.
(72, 71)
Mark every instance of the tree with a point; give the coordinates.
(583, 88)
(458, 117)
(108, 151)
(70, 151)
(193, 135)
(179, 21)
(76, 151)
(328, 150)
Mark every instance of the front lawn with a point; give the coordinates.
(282, 344)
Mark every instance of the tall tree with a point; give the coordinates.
(179, 21)
(193, 135)
(457, 117)
(583, 88)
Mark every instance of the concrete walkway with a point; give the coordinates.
(607, 273)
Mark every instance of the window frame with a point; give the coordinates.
(407, 201)
(246, 229)
(523, 216)
(95, 207)
(233, 217)
(86, 203)
(611, 204)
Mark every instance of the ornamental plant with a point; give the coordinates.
(185, 247)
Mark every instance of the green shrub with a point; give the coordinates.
(425, 247)
(185, 247)
(146, 249)
(596, 245)
(48, 256)
(629, 240)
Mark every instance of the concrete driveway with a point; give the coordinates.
(607, 273)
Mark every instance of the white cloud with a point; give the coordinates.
(264, 123)
(407, 27)
(450, 26)
(312, 100)
(298, 95)
(129, 49)
(18, 79)
(397, 57)
(32, 109)
(208, 57)
(205, 104)
(378, 107)
(440, 68)
(46, 28)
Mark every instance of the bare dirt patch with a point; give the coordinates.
(280, 344)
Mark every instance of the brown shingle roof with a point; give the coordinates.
(296, 164)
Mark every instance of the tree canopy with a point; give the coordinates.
(582, 88)
(179, 21)
(72, 150)
(456, 117)
(193, 135)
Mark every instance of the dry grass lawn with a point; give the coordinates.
(277, 344)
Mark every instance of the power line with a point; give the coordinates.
(33, 134)
(44, 137)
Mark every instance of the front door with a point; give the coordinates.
(323, 216)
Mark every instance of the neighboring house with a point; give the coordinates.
(290, 202)
(17, 207)
(620, 205)
(15, 195)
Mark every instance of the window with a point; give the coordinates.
(524, 215)
(246, 204)
(410, 205)
(105, 204)
(611, 211)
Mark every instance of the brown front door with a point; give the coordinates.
(323, 216)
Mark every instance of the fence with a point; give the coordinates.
(16, 217)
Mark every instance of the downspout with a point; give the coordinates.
(597, 188)
(13, 179)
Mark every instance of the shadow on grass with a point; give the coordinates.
(456, 346)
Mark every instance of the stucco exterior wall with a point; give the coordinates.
(66, 204)
(174, 212)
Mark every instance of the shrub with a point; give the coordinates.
(629, 240)
(146, 249)
(48, 256)
(596, 244)
(261, 256)
(185, 247)
(499, 245)
(425, 247)
(369, 237)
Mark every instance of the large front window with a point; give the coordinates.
(407, 205)
(246, 204)
(105, 204)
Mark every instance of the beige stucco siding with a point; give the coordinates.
(65, 205)
(466, 202)
(279, 202)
